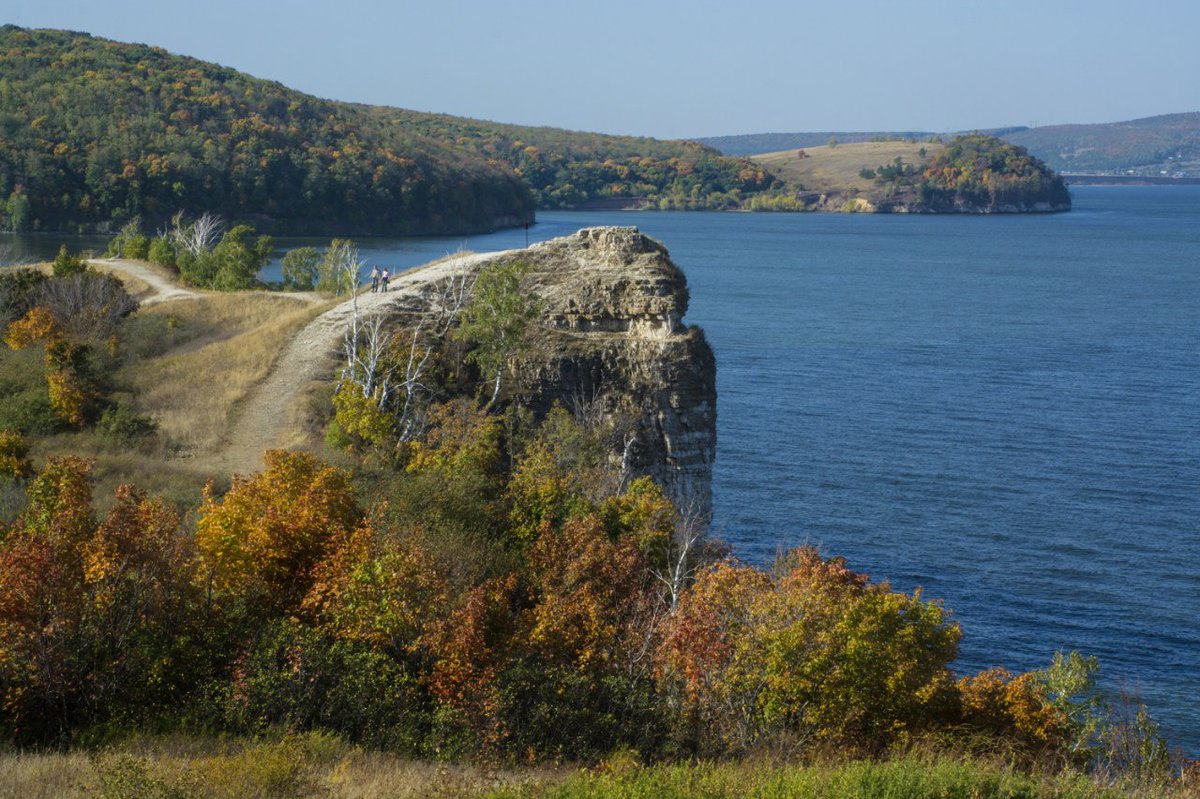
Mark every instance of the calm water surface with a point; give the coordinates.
(1004, 411)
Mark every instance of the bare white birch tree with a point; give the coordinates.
(391, 365)
(199, 236)
(685, 551)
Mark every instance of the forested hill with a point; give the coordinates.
(94, 132)
(1160, 145)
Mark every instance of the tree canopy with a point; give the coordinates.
(95, 132)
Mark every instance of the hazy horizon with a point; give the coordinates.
(691, 70)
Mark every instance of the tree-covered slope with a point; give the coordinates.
(567, 168)
(94, 131)
(1169, 143)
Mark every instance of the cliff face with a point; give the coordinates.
(613, 344)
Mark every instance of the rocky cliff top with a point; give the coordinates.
(613, 332)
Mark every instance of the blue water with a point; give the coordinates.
(1004, 411)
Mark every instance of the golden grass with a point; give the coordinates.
(302, 767)
(134, 285)
(52, 775)
(235, 340)
(835, 169)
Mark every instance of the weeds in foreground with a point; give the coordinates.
(318, 765)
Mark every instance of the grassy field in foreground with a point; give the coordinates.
(187, 364)
(836, 169)
(314, 766)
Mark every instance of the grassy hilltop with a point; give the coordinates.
(968, 174)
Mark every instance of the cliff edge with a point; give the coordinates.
(612, 342)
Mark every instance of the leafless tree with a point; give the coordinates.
(685, 552)
(199, 236)
(391, 364)
(88, 306)
(587, 408)
(10, 257)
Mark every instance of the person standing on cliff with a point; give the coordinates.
(374, 279)
(383, 280)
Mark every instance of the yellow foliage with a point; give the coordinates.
(264, 538)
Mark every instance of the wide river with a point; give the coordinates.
(1004, 411)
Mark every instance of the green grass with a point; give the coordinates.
(317, 765)
(906, 778)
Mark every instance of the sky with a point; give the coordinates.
(690, 68)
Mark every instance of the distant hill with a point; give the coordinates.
(968, 174)
(94, 131)
(1159, 146)
(756, 143)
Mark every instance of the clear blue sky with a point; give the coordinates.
(693, 67)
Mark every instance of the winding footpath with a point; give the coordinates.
(263, 419)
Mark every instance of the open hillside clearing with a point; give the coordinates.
(835, 169)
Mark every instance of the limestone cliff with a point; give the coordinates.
(613, 337)
(611, 342)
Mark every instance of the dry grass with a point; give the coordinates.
(137, 288)
(835, 169)
(231, 343)
(296, 768)
(34, 775)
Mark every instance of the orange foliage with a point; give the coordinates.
(1013, 707)
(387, 594)
(263, 540)
(590, 591)
(35, 327)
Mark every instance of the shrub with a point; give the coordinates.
(65, 264)
(87, 306)
(18, 292)
(300, 268)
(14, 455)
(162, 251)
(301, 680)
(123, 425)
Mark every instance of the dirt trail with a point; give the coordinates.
(163, 288)
(265, 419)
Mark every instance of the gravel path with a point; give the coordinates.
(163, 288)
(265, 418)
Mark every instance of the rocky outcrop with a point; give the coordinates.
(613, 343)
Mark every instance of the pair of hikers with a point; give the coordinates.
(379, 280)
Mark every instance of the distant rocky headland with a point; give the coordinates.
(975, 174)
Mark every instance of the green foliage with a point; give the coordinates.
(300, 269)
(978, 171)
(162, 251)
(130, 241)
(102, 131)
(121, 425)
(98, 131)
(65, 264)
(19, 289)
(298, 679)
(18, 211)
(232, 265)
(496, 319)
(338, 271)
